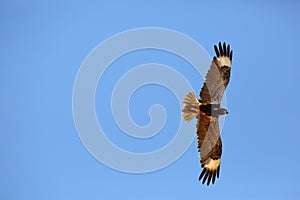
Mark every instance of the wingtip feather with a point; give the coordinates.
(220, 49)
(214, 177)
(216, 50)
(228, 50)
(209, 177)
(224, 49)
(202, 173)
(205, 177)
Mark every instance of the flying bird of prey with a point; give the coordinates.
(207, 110)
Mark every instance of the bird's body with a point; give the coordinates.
(207, 109)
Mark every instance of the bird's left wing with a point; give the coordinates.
(210, 147)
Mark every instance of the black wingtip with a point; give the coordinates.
(228, 50)
(205, 177)
(202, 174)
(224, 49)
(209, 177)
(216, 50)
(220, 49)
(214, 177)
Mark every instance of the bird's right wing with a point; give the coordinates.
(218, 75)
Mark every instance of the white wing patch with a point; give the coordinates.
(212, 164)
(224, 60)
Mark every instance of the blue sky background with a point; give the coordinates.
(43, 44)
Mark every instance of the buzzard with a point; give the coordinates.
(207, 110)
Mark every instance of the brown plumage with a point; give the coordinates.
(207, 109)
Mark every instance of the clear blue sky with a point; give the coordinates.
(43, 44)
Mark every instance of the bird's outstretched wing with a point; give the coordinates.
(210, 148)
(218, 76)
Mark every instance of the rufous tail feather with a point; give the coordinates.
(190, 107)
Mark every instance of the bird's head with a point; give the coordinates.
(219, 111)
(223, 111)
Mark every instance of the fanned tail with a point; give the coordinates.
(190, 107)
